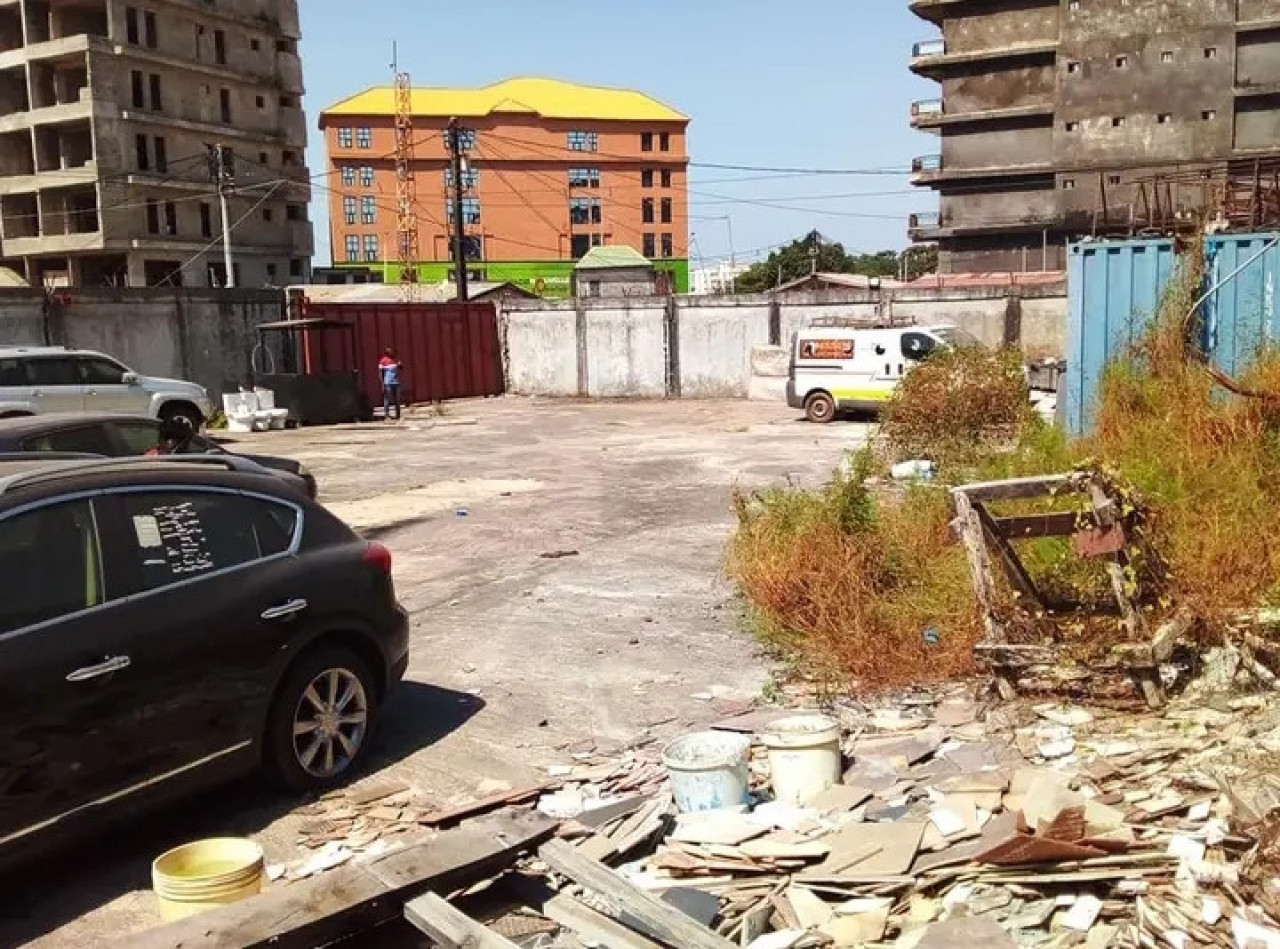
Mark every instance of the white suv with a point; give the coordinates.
(40, 380)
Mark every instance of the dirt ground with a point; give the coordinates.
(516, 654)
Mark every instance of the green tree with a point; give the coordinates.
(919, 260)
(814, 253)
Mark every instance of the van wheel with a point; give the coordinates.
(820, 408)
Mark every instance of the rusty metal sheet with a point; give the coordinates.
(449, 350)
(1100, 542)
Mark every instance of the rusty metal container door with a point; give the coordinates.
(449, 350)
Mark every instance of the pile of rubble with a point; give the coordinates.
(958, 823)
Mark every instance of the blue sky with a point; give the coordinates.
(807, 84)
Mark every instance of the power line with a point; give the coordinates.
(218, 240)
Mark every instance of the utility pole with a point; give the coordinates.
(459, 226)
(222, 169)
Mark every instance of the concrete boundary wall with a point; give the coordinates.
(205, 336)
(701, 347)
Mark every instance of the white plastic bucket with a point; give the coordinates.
(708, 770)
(804, 757)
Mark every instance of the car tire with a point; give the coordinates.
(331, 695)
(188, 415)
(820, 408)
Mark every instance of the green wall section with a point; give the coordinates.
(552, 279)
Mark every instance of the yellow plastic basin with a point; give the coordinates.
(206, 873)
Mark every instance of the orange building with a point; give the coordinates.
(552, 170)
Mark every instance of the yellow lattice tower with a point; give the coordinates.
(406, 191)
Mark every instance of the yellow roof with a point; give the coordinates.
(549, 98)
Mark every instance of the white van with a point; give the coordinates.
(840, 368)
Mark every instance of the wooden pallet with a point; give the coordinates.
(1101, 529)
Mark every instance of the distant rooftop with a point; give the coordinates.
(548, 98)
(612, 256)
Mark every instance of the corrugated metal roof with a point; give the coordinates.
(390, 292)
(549, 98)
(610, 256)
(1031, 278)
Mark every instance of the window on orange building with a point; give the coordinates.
(646, 178)
(344, 138)
(646, 210)
(646, 141)
(666, 210)
(668, 246)
(366, 176)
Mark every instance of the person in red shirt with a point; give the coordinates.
(389, 368)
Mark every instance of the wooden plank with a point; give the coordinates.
(353, 898)
(492, 802)
(662, 920)
(1013, 488)
(1013, 654)
(1013, 567)
(450, 927)
(969, 529)
(1057, 524)
(594, 928)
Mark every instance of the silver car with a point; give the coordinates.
(39, 380)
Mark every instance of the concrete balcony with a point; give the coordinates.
(926, 111)
(930, 118)
(935, 11)
(925, 168)
(86, 174)
(921, 226)
(927, 49)
(937, 62)
(53, 244)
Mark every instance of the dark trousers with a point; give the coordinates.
(390, 397)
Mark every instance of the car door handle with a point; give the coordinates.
(104, 668)
(37, 394)
(285, 610)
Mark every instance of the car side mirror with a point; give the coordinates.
(129, 379)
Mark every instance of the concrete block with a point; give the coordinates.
(767, 389)
(770, 361)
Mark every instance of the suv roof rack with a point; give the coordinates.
(62, 467)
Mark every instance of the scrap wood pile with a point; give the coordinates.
(954, 825)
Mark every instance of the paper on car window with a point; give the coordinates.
(147, 529)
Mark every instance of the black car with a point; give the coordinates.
(169, 623)
(122, 436)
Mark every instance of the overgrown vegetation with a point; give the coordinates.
(863, 591)
(870, 589)
(958, 405)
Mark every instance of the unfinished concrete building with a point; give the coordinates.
(1059, 119)
(108, 112)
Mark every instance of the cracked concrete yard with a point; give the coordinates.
(515, 654)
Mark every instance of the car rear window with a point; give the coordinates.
(89, 440)
(181, 535)
(12, 372)
(58, 371)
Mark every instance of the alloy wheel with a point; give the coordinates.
(330, 723)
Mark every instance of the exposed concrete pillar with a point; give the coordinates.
(1013, 320)
(580, 336)
(671, 326)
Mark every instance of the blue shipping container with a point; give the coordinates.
(1240, 315)
(1115, 287)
